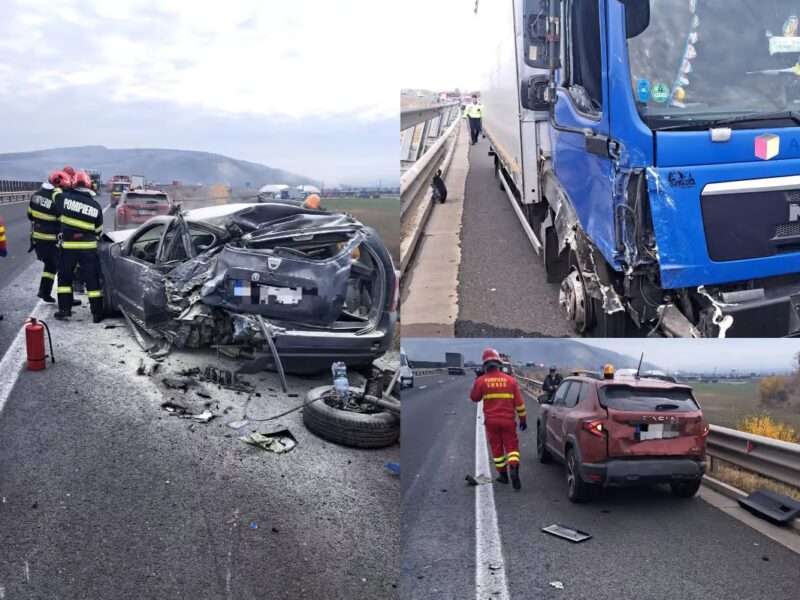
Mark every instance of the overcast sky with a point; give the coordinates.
(447, 52)
(309, 86)
(748, 355)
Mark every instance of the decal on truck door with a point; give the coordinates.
(767, 146)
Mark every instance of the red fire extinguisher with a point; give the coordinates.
(34, 342)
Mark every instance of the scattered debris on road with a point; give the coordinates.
(393, 467)
(478, 480)
(557, 584)
(568, 533)
(278, 442)
(147, 366)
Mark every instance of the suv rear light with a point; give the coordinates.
(595, 427)
(395, 292)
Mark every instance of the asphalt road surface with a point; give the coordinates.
(646, 543)
(104, 494)
(13, 267)
(502, 288)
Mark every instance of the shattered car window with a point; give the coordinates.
(145, 247)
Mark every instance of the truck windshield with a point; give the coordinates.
(716, 59)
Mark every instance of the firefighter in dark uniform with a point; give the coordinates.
(45, 228)
(80, 217)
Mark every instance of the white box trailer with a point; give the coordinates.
(510, 128)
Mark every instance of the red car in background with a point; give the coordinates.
(623, 431)
(137, 206)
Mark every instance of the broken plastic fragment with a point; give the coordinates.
(203, 417)
(557, 584)
(478, 480)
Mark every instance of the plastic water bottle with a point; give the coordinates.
(340, 381)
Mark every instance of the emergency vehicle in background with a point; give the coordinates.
(652, 158)
(117, 186)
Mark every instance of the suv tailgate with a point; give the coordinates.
(656, 421)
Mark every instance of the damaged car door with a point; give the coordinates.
(141, 267)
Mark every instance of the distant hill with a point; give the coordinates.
(564, 353)
(188, 166)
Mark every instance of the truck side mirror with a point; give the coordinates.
(543, 399)
(534, 94)
(637, 17)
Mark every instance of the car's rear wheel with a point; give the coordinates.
(577, 489)
(685, 489)
(541, 450)
(374, 429)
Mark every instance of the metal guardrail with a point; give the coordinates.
(762, 455)
(414, 116)
(423, 372)
(15, 191)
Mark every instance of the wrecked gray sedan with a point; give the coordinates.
(255, 280)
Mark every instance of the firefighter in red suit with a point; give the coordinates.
(502, 402)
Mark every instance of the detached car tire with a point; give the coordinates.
(360, 430)
(685, 489)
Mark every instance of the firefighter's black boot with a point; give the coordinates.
(502, 477)
(515, 477)
(46, 290)
(97, 317)
(63, 313)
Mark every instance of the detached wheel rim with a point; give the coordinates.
(573, 297)
(571, 474)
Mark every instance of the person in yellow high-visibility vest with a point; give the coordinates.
(475, 113)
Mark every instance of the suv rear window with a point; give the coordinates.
(146, 198)
(623, 397)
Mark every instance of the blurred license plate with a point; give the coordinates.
(656, 431)
(150, 213)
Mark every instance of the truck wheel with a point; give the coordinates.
(585, 311)
(349, 428)
(577, 489)
(685, 489)
(604, 324)
(541, 450)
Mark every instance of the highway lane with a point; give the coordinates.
(502, 289)
(646, 543)
(104, 495)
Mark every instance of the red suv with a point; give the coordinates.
(137, 206)
(623, 432)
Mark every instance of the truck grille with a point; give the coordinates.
(787, 229)
(740, 226)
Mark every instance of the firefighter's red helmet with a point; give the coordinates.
(82, 179)
(490, 354)
(60, 179)
(69, 171)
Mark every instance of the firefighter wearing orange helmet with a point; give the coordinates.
(44, 229)
(502, 404)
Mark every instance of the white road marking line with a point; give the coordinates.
(489, 582)
(14, 359)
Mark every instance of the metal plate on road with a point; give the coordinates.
(562, 531)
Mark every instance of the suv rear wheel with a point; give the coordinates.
(685, 489)
(577, 489)
(541, 450)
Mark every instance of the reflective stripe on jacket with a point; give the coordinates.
(502, 400)
(42, 213)
(80, 218)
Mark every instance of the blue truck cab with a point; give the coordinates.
(659, 167)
